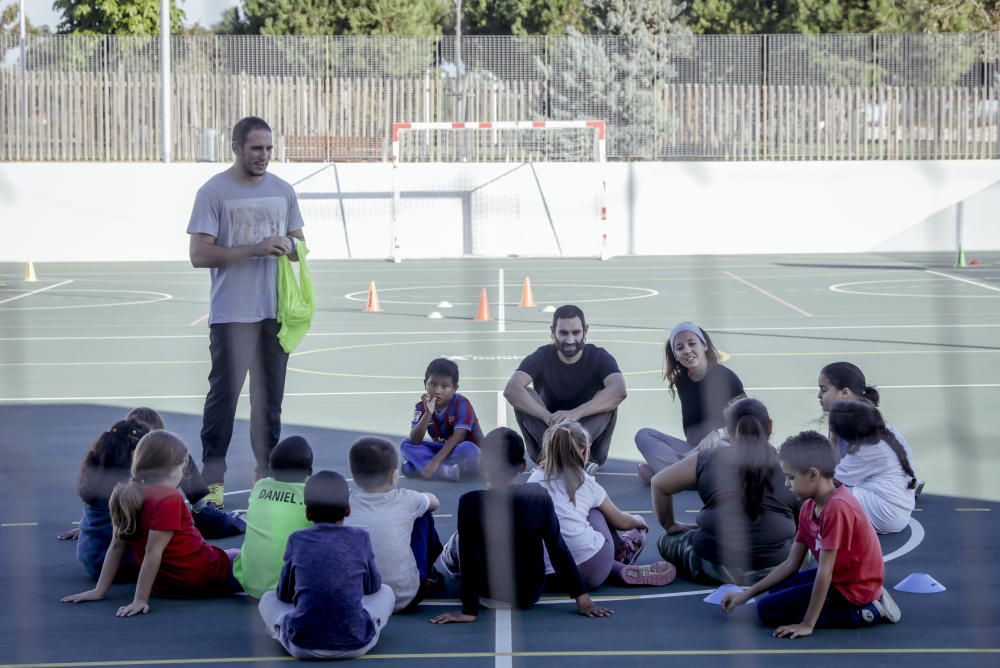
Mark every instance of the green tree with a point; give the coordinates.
(116, 17)
(10, 22)
(337, 17)
(522, 17)
(619, 70)
(841, 16)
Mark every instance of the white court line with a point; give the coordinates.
(964, 280)
(769, 294)
(543, 332)
(35, 292)
(503, 640)
(916, 537)
(789, 388)
(361, 295)
(501, 312)
(501, 410)
(198, 321)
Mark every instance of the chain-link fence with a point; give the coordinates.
(715, 97)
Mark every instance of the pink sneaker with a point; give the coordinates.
(646, 473)
(632, 542)
(654, 575)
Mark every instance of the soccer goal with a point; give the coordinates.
(497, 189)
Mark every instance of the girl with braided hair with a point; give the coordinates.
(877, 465)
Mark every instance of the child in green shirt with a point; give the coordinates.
(276, 509)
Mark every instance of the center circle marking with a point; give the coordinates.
(643, 293)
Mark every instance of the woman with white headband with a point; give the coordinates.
(705, 387)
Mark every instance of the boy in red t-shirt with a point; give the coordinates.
(846, 590)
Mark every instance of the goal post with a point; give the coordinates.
(470, 146)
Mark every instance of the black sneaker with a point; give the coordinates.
(214, 523)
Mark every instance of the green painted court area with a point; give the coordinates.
(927, 335)
(87, 342)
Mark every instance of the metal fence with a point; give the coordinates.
(715, 97)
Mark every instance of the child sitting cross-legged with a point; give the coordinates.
(846, 590)
(399, 522)
(445, 430)
(605, 542)
(330, 602)
(275, 510)
(498, 549)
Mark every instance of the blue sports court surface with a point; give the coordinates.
(87, 342)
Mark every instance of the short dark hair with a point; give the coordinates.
(291, 460)
(372, 460)
(245, 126)
(147, 416)
(809, 450)
(501, 452)
(568, 312)
(442, 367)
(327, 497)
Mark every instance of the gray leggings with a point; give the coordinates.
(599, 568)
(661, 450)
(678, 549)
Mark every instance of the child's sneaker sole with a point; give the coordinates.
(653, 575)
(887, 608)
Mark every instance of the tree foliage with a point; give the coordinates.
(10, 22)
(116, 17)
(841, 16)
(618, 71)
(522, 17)
(336, 17)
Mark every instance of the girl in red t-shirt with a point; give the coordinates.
(150, 517)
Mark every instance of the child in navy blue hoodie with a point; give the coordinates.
(330, 602)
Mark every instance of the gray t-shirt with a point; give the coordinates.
(240, 214)
(388, 518)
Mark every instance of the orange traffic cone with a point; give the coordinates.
(483, 313)
(527, 297)
(373, 305)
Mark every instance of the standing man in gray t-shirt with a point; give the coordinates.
(240, 226)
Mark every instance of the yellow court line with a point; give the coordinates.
(556, 653)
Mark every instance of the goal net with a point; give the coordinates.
(525, 188)
(530, 189)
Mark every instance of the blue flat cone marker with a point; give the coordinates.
(715, 598)
(919, 583)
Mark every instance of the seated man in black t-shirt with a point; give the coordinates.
(570, 380)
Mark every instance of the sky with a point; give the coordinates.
(205, 12)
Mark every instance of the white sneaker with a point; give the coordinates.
(591, 468)
(887, 607)
(449, 557)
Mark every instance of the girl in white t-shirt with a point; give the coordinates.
(877, 465)
(604, 541)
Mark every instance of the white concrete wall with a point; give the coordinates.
(121, 211)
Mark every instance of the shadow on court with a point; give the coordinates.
(45, 443)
